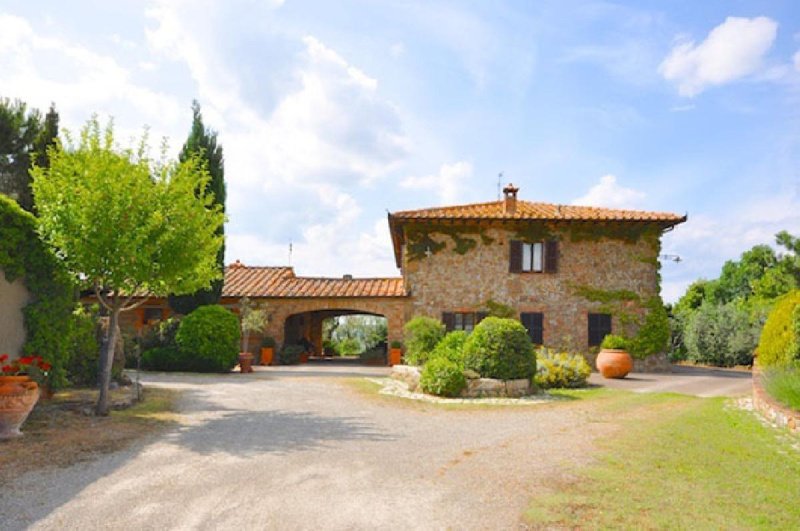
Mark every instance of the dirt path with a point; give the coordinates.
(280, 450)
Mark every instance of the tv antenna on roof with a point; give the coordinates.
(499, 184)
(290, 253)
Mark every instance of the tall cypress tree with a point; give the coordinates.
(47, 137)
(203, 141)
(19, 131)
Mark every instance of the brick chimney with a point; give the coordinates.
(236, 265)
(510, 199)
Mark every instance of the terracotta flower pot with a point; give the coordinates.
(395, 356)
(245, 362)
(304, 357)
(267, 353)
(614, 363)
(18, 395)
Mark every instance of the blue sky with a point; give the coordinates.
(332, 113)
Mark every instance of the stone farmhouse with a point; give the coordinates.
(571, 274)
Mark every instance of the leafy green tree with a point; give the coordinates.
(19, 131)
(47, 138)
(738, 277)
(127, 227)
(202, 143)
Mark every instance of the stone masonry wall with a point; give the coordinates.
(447, 281)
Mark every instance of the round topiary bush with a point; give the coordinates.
(560, 369)
(451, 347)
(500, 348)
(421, 335)
(208, 339)
(780, 339)
(290, 354)
(442, 377)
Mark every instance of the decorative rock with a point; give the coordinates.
(407, 374)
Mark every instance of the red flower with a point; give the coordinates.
(8, 368)
(45, 366)
(3, 357)
(27, 360)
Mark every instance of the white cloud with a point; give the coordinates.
(38, 69)
(608, 193)
(704, 242)
(732, 50)
(447, 183)
(796, 59)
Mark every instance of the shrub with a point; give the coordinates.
(421, 336)
(560, 369)
(348, 346)
(500, 348)
(451, 347)
(208, 339)
(397, 344)
(268, 341)
(721, 335)
(83, 364)
(162, 334)
(163, 359)
(290, 354)
(442, 377)
(612, 341)
(783, 383)
(780, 339)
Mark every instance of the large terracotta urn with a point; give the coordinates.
(18, 395)
(614, 363)
(245, 362)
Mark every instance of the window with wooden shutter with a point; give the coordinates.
(515, 256)
(534, 324)
(480, 316)
(599, 327)
(551, 257)
(448, 318)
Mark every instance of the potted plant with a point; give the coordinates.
(328, 348)
(613, 361)
(395, 353)
(18, 392)
(253, 320)
(267, 350)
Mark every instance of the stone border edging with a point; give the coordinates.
(774, 412)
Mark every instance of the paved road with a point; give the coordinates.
(697, 381)
(297, 448)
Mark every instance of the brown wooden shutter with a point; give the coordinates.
(449, 320)
(551, 256)
(515, 256)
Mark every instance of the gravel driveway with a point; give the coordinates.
(303, 450)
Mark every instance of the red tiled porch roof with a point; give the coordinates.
(241, 281)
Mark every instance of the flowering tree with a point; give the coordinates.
(126, 226)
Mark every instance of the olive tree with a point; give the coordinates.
(126, 226)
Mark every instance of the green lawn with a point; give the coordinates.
(679, 462)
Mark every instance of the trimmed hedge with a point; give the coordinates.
(500, 348)
(421, 335)
(451, 347)
(290, 354)
(561, 369)
(208, 339)
(442, 377)
(780, 339)
(164, 359)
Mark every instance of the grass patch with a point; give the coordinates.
(59, 434)
(679, 462)
(784, 385)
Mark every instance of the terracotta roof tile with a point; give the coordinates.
(241, 281)
(527, 210)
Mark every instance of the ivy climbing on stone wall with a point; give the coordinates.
(48, 316)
